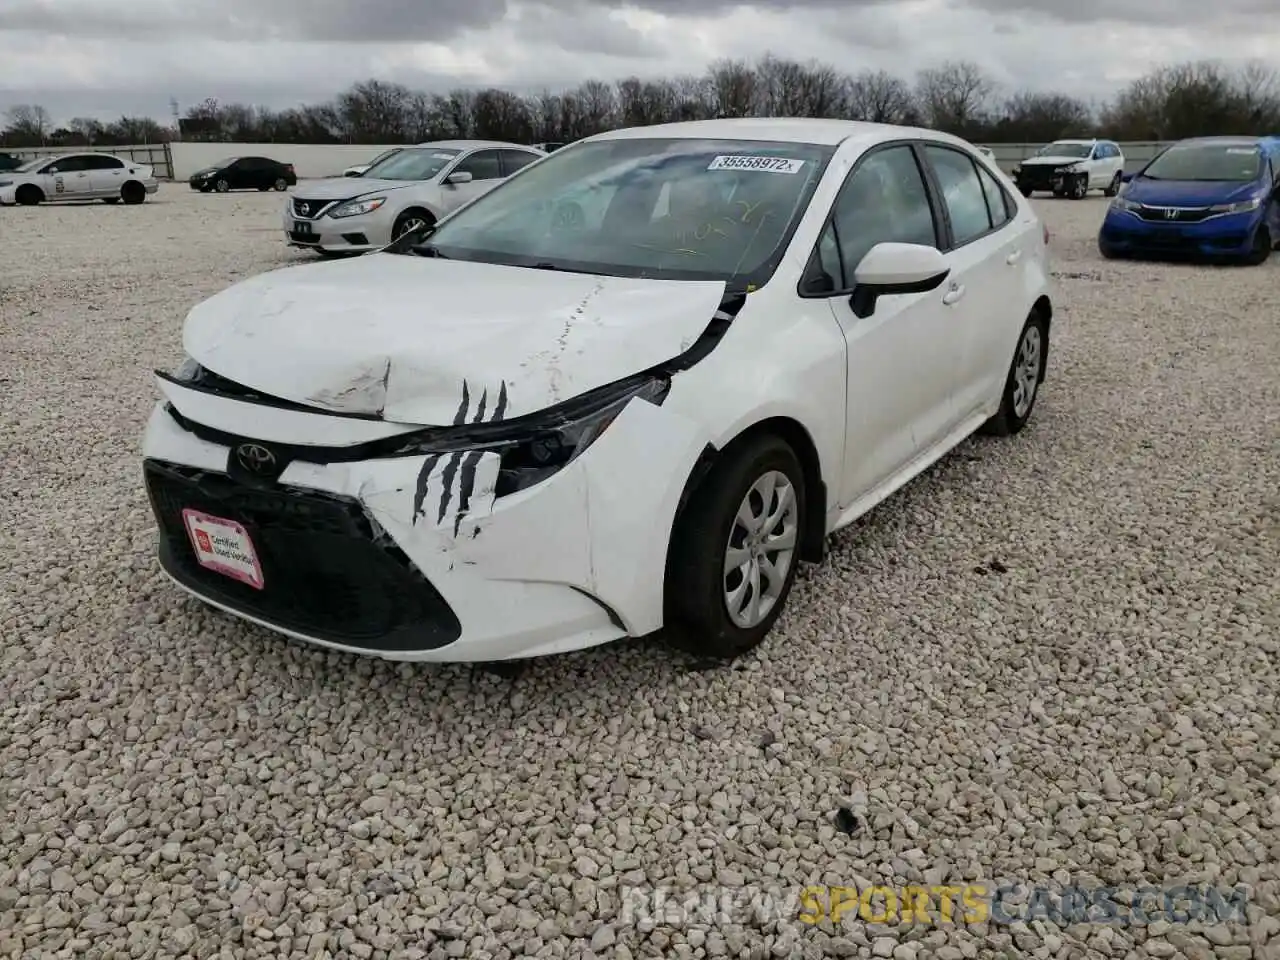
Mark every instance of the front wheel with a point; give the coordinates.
(1026, 191)
(409, 222)
(28, 195)
(1079, 187)
(222, 186)
(1022, 385)
(1262, 244)
(735, 550)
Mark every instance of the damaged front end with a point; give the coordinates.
(513, 542)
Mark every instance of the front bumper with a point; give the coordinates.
(1044, 178)
(372, 231)
(8, 196)
(1228, 236)
(349, 561)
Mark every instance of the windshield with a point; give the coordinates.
(1227, 163)
(384, 154)
(31, 165)
(222, 163)
(420, 164)
(1060, 149)
(676, 209)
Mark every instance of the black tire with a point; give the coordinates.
(1114, 187)
(29, 195)
(405, 219)
(1007, 420)
(282, 184)
(133, 192)
(205, 189)
(1262, 246)
(222, 186)
(1079, 188)
(110, 200)
(1026, 191)
(696, 611)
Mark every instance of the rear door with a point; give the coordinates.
(513, 160)
(106, 174)
(985, 246)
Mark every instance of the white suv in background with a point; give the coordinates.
(1071, 168)
(408, 190)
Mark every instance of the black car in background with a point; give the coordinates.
(9, 162)
(244, 173)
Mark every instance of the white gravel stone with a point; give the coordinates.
(1051, 657)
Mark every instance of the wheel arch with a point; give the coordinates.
(27, 189)
(814, 536)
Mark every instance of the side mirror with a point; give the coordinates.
(1126, 177)
(890, 269)
(352, 173)
(460, 177)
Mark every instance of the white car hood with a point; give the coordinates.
(1040, 161)
(340, 188)
(402, 337)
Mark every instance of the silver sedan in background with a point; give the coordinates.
(413, 188)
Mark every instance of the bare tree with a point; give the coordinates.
(28, 122)
(954, 96)
(375, 111)
(735, 88)
(1042, 117)
(88, 129)
(880, 97)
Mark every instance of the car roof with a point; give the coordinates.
(781, 129)
(1090, 140)
(470, 144)
(1246, 141)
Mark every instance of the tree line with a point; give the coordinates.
(1171, 102)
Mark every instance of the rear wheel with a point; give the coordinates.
(1262, 245)
(1022, 385)
(1113, 188)
(29, 195)
(133, 192)
(282, 184)
(735, 550)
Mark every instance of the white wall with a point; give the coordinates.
(309, 160)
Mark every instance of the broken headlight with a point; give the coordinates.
(547, 451)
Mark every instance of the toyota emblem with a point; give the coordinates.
(255, 458)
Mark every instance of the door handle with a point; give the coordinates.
(1013, 258)
(954, 294)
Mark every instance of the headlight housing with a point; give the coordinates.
(1120, 203)
(540, 445)
(6, 183)
(1242, 206)
(356, 208)
(1074, 168)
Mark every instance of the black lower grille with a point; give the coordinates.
(1038, 178)
(297, 236)
(324, 575)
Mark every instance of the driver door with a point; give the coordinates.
(67, 179)
(485, 168)
(902, 357)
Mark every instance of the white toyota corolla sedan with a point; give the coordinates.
(629, 389)
(403, 191)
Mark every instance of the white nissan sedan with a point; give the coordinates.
(403, 191)
(629, 389)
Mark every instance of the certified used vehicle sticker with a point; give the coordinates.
(763, 164)
(224, 546)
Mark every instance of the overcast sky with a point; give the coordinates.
(113, 57)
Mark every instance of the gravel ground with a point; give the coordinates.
(1049, 659)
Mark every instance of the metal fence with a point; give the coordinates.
(160, 157)
(155, 155)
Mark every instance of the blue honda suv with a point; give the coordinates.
(1214, 197)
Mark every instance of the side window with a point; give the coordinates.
(513, 160)
(103, 163)
(997, 201)
(482, 165)
(883, 201)
(961, 191)
(67, 165)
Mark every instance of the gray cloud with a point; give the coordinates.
(1264, 13)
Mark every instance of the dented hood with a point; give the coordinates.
(398, 336)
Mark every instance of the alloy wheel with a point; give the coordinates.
(760, 549)
(1026, 371)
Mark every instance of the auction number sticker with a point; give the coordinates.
(1248, 151)
(740, 161)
